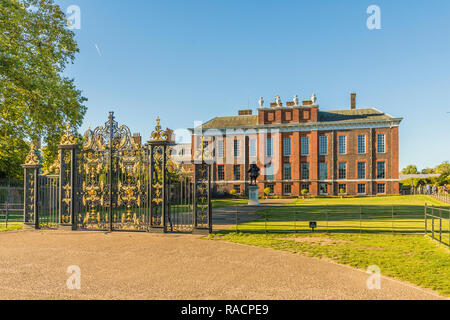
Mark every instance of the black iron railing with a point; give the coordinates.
(11, 213)
(437, 224)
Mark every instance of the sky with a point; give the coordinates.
(186, 61)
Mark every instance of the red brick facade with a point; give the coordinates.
(379, 169)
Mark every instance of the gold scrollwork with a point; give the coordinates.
(203, 154)
(67, 199)
(68, 138)
(158, 134)
(157, 196)
(32, 157)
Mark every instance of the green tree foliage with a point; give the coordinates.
(428, 171)
(443, 168)
(411, 169)
(35, 98)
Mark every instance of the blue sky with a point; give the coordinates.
(187, 61)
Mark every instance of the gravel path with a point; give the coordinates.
(149, 266)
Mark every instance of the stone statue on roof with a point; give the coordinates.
(278, 101)
(296, 101)
(314, 98)
(261, 102)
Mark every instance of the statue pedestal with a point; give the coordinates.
(253, 196)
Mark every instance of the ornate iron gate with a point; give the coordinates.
(110, 181)
(48, 186)
(181, 202)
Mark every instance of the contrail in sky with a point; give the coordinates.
(98, 50)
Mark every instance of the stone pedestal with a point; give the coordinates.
(253, 196)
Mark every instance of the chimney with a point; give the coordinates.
(353, 101)
(137, 139)
(245, 112)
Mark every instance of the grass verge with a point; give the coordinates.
(11, 226)
(405, 254)
(221, 203)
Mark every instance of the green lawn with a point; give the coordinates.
(397, 245)
(401, 214)
(221, 203)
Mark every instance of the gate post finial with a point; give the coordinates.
(31, 169)
(68, 138)
(158, 134)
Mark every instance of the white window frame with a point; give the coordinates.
(344, 144)
(218, 172)
(284, 190)
(269, 147)
(323, 165)
(383, 184)
(363, 144)
(287, 147)
(305, 150)
(237, 148)
(339, 170)
(285, 165)
(383, 143)
(384, 169)
(301, 170)
(365, 188)
(305, 186)
(323, 145)
(339, 188)
(269, 177)
(365, 170)
(326, 186)
(234, 172)
(252, 148)
(221, 148)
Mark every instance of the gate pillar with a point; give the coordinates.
(68, 149)
(158, 199)
(31, 168)
(203, 161)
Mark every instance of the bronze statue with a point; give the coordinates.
(254, 174)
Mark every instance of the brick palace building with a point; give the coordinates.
(298, 146)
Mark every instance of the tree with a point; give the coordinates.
(428, 171)
(35, 98)
(443, 168)
(411, 169)
(267, 191)
(304, 193)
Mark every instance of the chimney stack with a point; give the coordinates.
(248, 112)
(137, 139)
(353, 101)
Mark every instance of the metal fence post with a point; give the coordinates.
(392, 219)
(295, 222)
(440, 224)
(426, 222)
(7, 214)
(432, 221)
(265, 222)
(360, 220)
(236, 218)
(326, 216)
